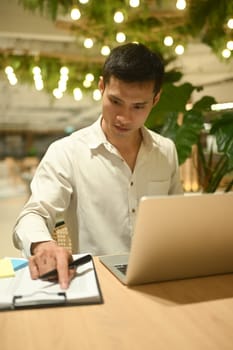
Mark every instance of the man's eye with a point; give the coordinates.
(139, 107)
(115, 102)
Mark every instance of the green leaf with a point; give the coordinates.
(204, 103)
(186, 134)
(173, 99)
(222, 129)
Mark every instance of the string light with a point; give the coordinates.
(97, 95)
(226, 53)
(90, 77)
(230, 23)
(39, 85)
(105, 50)
(86, 83)
(88, 43)
(230, 45)
(120, 37)
(77, 93)
(83, 1)
(75, 14)
(118, 17)
(179, 50)
(11, 75)
(134, 3)
(62, 84)
(181, 4)
(168, 41)
(57, 93)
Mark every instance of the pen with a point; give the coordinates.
(75, 263)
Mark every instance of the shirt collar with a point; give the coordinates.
(98, 137)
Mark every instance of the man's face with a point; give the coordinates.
(125, 106)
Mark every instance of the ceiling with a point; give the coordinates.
(23, 107)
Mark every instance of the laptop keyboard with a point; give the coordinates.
(122, 268)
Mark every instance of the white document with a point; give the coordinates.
(21, 291)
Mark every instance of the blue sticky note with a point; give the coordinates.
(18, 263)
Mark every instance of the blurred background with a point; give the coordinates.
(51, 54)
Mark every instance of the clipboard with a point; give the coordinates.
(22, 292)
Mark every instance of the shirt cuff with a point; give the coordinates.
(30, 229)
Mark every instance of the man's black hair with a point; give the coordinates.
(134, 63)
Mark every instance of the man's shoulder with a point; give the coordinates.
(81, 135)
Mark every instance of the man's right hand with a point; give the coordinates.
(48, 256)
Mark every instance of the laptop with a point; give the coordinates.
(178, 237)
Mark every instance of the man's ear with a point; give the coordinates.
(101, 85)
(157, 97)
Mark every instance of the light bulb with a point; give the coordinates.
(168, 41)
(120, 37)
(230, 45)
(9, 70)
(105, 51)
(96, 95)
(88, 43)
(78, 95)
(226, 53)
(179, 49)
(230, 23)
(181, 4)
(134, 3)
(75, 14)
(90, 77)
(118, 17)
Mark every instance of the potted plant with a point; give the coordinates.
(187, 128)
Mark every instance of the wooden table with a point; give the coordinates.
(184, 315)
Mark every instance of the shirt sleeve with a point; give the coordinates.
(51, 189)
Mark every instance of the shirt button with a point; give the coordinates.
(131, 183)
(133, 210)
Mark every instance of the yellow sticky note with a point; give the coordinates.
(6, 268)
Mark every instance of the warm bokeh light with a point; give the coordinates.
(57, 93)
(64, 70)
(226, 53)
(97, 95)
(88, 43)
(105, 50)
(230, 45)
(181, 4)
(78, 95)
(120, 37)
(230, 23)
(168, 41)
(87, 83)
(134, 3)
(179, 50)
(118, 17)
(90, 77)
(9, 70)
(75, 14)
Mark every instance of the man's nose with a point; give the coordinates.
(124, 116)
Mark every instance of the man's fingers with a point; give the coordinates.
(34, 271)
(63, 269)
(48, 256)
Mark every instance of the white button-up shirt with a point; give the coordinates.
(84, 178)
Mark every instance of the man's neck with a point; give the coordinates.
(129, 148)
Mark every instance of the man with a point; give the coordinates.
(96, 176)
